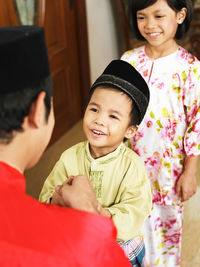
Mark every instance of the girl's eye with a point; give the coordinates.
(113, 117)
(94, 109)
(159, 16)
(140, 17)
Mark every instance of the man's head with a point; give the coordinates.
(117, 102)
(24, 72)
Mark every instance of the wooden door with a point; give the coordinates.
(64, 22)
(57, 17)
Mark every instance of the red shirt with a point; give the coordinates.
(38, 234)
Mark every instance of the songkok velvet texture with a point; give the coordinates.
(23, 58)
(123, 76)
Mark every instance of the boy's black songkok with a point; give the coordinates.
(120, 74)
(23, 58)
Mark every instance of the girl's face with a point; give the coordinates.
(158, 24)
(106, 120)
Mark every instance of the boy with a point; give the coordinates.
(32, 233)
(117, 103)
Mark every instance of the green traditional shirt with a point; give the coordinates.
(119, 180)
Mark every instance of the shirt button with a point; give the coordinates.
(94, 163)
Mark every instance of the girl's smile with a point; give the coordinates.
(158, 24)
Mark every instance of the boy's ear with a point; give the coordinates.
(37, 111)
(181, 15)
(131, 131)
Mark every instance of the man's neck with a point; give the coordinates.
(14, 154)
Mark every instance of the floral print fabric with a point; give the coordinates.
(170, 129)
(162, 235)
(169, 132)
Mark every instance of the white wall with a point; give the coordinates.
(102, 35)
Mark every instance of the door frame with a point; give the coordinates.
(83, 49)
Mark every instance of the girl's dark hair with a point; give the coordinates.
(134, 115)
(15, 106)
(176, 5)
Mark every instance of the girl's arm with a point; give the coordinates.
(186, 184)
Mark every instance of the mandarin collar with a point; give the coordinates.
(107, 158)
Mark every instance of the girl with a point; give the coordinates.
(168, 139)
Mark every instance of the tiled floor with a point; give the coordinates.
(191, 225)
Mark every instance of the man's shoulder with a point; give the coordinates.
(36, 229)
(133, 54)
(186, 59)
(23, 212)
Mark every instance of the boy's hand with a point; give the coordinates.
(186, 186)
(77, 192)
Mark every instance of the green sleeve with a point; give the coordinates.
(133, 203)
(57, 176)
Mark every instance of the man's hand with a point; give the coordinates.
(77, 192)
(57, 198)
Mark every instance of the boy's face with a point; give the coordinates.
(106, 120)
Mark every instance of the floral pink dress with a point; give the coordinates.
(169, 132)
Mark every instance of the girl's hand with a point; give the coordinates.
(186, 186)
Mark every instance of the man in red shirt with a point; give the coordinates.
(33, 233)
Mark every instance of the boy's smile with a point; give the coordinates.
(97, 133)
(106, 120)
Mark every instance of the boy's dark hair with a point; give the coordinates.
(134, 115)
(176, 5)
(16, 105)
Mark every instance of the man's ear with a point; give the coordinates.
(37, 111)
(131, 131)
